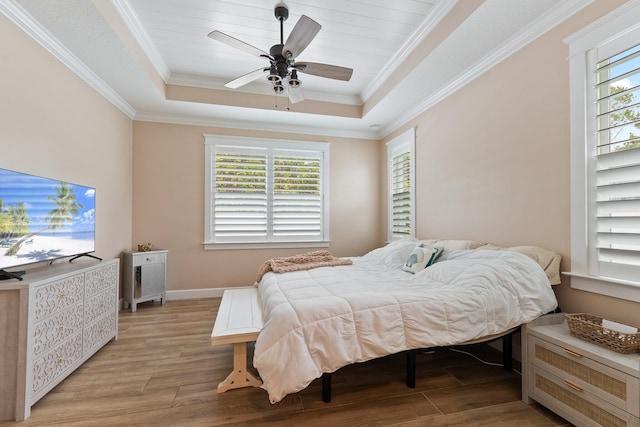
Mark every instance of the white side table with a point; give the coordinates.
(145, 277)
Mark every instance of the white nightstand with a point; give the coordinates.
(145, 277)
(584, 383)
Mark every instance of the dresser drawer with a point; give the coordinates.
(575, 403)
(54, 364)
(575, 369)
(99, 305)
(58, 295)
(151, 258)
(100, 280)
(55, 329)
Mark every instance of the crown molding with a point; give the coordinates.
(625, 17)
(255, 126)
(546, 22)
(440, 11)
(16, 14)
(132, 21)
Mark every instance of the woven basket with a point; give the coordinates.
(589, 328)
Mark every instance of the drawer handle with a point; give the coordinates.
(571, 352)
(573, 386)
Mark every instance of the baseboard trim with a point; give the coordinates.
(199, 293)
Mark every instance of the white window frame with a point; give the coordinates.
(401, 144)
(211, 141)
(584, 263)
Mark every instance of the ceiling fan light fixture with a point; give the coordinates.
(273, 76)
(278, 88)
(293, 79)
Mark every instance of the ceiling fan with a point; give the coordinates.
(283, 69)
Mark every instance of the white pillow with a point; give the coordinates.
(454, 244)
(420, 258)
(393, 254)
(548, 260)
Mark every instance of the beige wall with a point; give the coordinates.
(493, 160)
(168, 209)
(54, 125)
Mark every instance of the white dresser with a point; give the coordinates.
(584, 383)
(50, 323)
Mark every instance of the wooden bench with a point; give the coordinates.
(238, 322)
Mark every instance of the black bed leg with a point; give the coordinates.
(326, 388)
(411, 369)
(507, 349)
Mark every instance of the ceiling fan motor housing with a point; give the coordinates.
(281, 63)
(281, 12)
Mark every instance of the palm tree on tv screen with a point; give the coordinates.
(14, 220)
(66, 207)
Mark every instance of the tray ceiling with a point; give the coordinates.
(153, 59)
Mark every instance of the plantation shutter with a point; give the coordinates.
(240, 196)
(401, 195)
(617, 184)
(261, 191)
(297, 196)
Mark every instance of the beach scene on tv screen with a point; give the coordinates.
(43, 219)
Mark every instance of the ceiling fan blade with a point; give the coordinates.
(325, 70)
(295, 93)
(238, 44)
(247, 78)
(303, 32)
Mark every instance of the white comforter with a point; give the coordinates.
(320, 320)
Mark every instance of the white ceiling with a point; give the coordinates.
(129, 50)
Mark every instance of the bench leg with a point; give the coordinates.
(240, 377)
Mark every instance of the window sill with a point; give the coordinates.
(621, 289)
(264, 245)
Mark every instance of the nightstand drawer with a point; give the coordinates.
(576, 403)
(145, 259)
(576, 368)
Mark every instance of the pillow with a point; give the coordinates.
(548, 260)
(454, 244)
(393, 254)
(421, 257)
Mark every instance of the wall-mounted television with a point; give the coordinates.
(43, 219)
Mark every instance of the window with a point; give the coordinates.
(265, 193)
(401, 197)
(605, 155)
(617, 152)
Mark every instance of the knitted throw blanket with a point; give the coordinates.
(300, 262)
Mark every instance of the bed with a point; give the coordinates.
(319, 320)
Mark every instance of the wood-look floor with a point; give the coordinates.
(162, 371)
